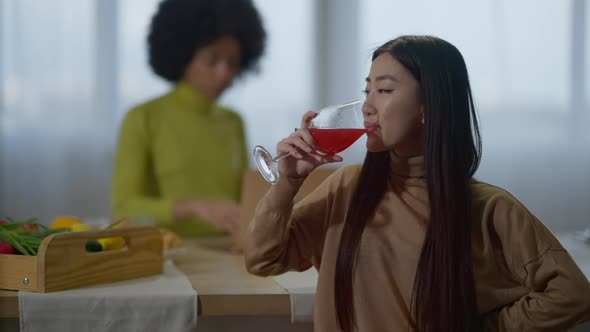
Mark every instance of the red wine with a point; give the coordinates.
(334, 140)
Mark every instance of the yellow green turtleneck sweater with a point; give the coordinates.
(178, 146)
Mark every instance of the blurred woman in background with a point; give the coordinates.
(180, 157)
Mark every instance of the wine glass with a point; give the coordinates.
(334, 129)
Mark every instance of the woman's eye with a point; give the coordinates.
(235, 65)
(384, 91)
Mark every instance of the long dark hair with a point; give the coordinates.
(443, 297)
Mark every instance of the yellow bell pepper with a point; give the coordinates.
(112, 243)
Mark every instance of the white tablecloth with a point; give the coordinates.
(301, 288)
(578, 249)
(165, 302)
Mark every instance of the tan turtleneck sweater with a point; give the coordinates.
(525, 280)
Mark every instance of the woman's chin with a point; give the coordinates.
(375, 147)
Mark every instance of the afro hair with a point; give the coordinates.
(181, 27)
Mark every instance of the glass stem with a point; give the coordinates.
(279, 157)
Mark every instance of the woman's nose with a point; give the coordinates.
(368, 109)
(224, 72)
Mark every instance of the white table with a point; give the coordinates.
(579, 250)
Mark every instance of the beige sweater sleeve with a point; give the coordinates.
(559, 293)
(284, 237)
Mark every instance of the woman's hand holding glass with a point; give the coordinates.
(300, 147)
(322, 134)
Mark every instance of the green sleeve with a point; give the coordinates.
(245, 154)
(132, 172)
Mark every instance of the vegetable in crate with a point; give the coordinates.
(65, 222)
(93, 246)
(23, 236)
(6, 248)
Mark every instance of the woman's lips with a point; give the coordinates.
(370, 127)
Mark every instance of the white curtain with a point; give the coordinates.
(54, 151)
(70, 69)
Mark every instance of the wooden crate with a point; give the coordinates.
(63, 263)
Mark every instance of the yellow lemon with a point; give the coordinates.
(64, 222)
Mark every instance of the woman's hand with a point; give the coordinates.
(303, 157)
(222, 214)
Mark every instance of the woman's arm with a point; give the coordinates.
(281, 238)
(559, 293)
(272, 242)
(131, 173)
(284, 236)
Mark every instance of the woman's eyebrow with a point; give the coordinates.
(383, 77)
